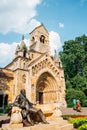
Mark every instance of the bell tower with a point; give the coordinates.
(39, 40)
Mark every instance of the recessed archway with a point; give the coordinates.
(3, 99)
(46, 89)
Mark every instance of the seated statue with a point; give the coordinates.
(30, 115)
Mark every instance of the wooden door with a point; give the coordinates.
(40, 97)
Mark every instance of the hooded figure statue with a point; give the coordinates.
(30, 114)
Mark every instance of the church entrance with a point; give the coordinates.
(46, 89)
(40, 94)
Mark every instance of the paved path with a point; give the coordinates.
(4, 117)
(69, 111)
(65, 111)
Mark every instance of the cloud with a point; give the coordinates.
(7, 51)
(18, 15)
(55, 42)
(61, 25)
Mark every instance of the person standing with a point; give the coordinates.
(78, 105)
(74, 104)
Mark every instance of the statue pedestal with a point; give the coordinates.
(58, 124)
(13, 126)
(16, 118)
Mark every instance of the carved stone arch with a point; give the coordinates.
(46, 87)
(52, 85)
(48, 70)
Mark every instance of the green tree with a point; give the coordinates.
(79, 82)
(74, 94)
(24, 47)
(74, 59)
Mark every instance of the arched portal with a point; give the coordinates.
(46, 89)
(3, 99)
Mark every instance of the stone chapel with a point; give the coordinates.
(34, 69)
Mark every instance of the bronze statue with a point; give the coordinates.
(30, 114)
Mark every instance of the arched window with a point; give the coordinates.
(24, 78)
(33, 39)
(23, 65)
(24, 53)
(32, 55)
(42, 39)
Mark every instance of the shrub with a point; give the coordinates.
(78, 122)
(66, 117)
(83, 127)
(84, 104)
(6, 108)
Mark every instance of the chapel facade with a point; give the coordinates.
(33, 69)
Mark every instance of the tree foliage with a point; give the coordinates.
(74, 94)
(74, 59)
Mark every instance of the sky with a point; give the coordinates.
(64, 20)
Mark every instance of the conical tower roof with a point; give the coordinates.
(56, 57)
(23, 44)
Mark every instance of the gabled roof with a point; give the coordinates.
(6, 73)
(39, 27)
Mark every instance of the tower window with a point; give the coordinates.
(23, 65)
(42, 39)
(24, 53)
(32, 55)
(33, 39)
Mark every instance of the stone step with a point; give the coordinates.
(43, 127)
(59, 124)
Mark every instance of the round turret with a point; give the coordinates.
(21, 49)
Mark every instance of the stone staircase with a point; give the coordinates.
(58, 124)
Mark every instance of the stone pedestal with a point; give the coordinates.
(16, 118)
(14, 126)
(58, 124)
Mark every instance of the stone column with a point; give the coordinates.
(28, 86)
(19, 63)
(44, 97)
(15, 85)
